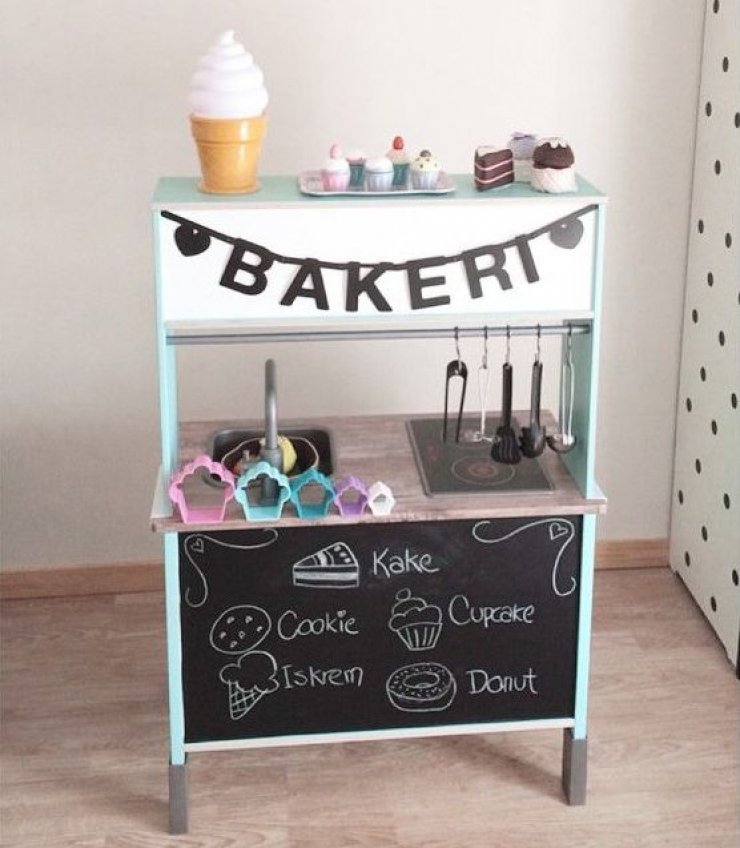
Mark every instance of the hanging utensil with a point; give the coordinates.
(532, 440)
(565, 441)
(455, 369)
(484, 381)
(505, 448)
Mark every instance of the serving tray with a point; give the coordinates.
(309, 182)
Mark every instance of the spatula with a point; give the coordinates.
(505, 448)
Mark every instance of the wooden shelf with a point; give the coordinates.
(378, 448)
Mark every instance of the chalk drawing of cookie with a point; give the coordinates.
(240, 629)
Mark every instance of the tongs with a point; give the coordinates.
(455, 369)
(564, 440)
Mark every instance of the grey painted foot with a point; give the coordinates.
(179, 798)
(575, 756)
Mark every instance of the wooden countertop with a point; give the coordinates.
(378, 448)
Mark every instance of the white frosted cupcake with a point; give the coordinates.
(379, 174)
(424, 171)
(335, 172)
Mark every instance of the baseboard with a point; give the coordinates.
(121, 577)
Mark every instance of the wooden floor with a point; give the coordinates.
(84, 746)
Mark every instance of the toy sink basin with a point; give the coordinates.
(226, 441)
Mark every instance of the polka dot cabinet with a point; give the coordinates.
(705, 522)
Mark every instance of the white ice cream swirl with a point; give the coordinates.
(227, 83)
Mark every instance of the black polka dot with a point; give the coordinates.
(694, 315)
(728, 240)
(717, 166)
(726, 500)
(700, 225)
(737, 119)
(697, 465)
(680, 496)
(735, 577)
(733, 400)
(703, 374)
(704, 533)
(715, 6)
(708, 108)
(689, 405)
(721, 337)
(725, 64)
(714, 427)
(687, 558)
(713, 603)
(710, 279)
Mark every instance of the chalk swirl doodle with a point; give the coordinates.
(195, 549)
(558, 528)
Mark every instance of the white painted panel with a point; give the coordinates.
(396, 233)
(705, 525)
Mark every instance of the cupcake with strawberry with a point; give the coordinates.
(401, 161)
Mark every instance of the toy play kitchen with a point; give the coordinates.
(467, 607)
(391, 576)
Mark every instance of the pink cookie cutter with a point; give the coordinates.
(350, 506)
(196, 515)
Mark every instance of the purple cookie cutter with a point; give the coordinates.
(345, 505)
(198, 515)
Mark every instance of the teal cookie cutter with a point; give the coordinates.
(260, 511)
(315, 478)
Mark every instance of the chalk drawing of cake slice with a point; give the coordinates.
(417, 623)
(333, 567)
(249, 680)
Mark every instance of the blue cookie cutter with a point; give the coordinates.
(310, 510)
(262, 512)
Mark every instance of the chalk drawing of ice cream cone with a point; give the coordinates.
(248, 681)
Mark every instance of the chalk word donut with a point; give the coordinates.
(421, 687)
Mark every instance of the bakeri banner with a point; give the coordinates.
(300, 283)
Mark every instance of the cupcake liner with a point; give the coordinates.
(378, 182)
(335, 182)
(356, 173)
(420, 637)
(400, 173)
(554, 180)
(424, 179)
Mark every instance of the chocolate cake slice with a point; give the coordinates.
(493, 167)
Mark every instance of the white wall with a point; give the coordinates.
(93, 111)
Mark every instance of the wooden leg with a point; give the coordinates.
(179, 798)
(575, 756)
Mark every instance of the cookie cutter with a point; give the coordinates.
(196, 515)
(311, 510)
(346, 505)
(380, 498)
(262, 511)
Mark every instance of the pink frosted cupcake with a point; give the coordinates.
(335, 173)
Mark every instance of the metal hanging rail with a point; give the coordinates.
(256, 336)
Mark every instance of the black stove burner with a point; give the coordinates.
(466, 466)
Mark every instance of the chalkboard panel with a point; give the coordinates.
(376, 626)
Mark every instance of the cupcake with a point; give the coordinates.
(401, 161)
(335, 173)
(553, 168)
(356, 159)
(424, 171)
(379, 174)
(417, 623)
(522, 146)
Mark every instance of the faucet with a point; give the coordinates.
(271, 451)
